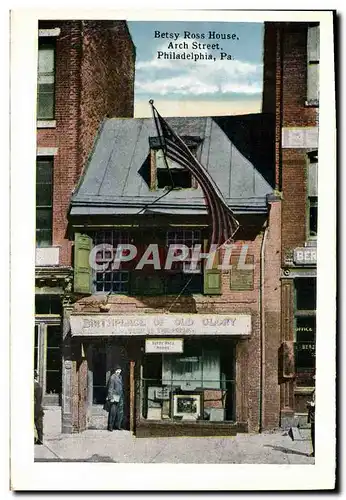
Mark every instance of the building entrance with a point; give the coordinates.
(102, 356)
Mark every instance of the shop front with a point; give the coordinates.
(179, 370)
(299, 285)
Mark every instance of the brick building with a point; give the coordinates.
(85, 73)
(217, 371)
(291, 91)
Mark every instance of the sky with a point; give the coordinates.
(230, 82)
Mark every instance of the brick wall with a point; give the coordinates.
(285, 76)
(94, 79)
(272, 318)
(248, 353)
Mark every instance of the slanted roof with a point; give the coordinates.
(237, 151)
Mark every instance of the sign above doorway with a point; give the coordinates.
(162, 325)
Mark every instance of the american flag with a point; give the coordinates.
(224, 224)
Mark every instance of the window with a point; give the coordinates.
(313, 216)
(147, 281)
(196, 385)
(47, 304)
(175, 175)
(305, 330)
(313, 59)
(36, 348)
(305, 294)
(305, 349)
(312, 194)
(53, 372)
(44, 201)
(113, 281)
(46, 81)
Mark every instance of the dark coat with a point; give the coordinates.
(115, 387)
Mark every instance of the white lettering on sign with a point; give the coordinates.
(164, 345)
(305, 256)
(170, 325)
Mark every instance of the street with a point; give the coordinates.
(122, 447)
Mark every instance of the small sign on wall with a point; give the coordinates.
(164, 345)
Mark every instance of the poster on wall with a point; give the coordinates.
(179, 177)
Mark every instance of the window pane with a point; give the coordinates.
(55, 307)
(45, 59)
(43, 194)
(313, 219)
(44, 171)
(53, 382)
(36, 348)
(45, 106)
(313, 43)
(305, 294)
(53, 359)
(305, 343)
(42, 304)
(54, 336)
(43, 238)
(312, 180)
(313, 82)
(44, 218)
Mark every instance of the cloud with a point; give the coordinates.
(202, 107)
(203, 77)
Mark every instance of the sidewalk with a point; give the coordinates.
(123, 447)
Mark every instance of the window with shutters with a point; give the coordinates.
(182, 278)
(111, 280)
(44, 201)
(312, 199)
(313, 63)
(46, 80)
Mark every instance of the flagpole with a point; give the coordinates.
(151, 102)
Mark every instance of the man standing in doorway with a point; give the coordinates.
(115, 396)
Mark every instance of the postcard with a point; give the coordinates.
(178, 169)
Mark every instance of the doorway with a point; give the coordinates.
(102, 356)
(99, 366)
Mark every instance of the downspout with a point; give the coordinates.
(262, 330)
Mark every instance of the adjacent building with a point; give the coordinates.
(291, 91)
(204, 350)
(85, 73)
(199, 350)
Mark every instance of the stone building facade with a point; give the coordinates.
(79, 84)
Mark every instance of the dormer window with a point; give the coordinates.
(168, 174)
(175, 174)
